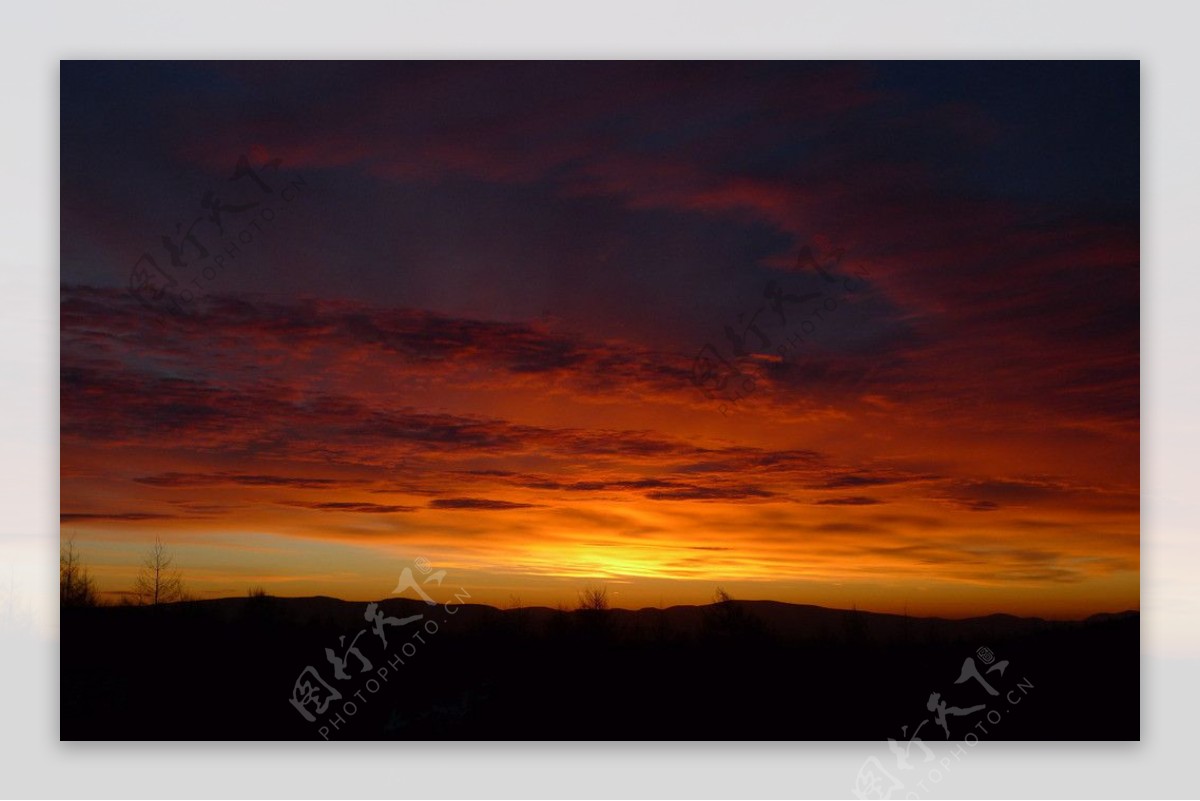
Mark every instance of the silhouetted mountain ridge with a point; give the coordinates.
(761, 670)
(779, 619)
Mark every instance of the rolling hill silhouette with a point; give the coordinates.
(230, 669)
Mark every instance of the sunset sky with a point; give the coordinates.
(462, 319)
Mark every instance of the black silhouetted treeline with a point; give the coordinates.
(733, 670)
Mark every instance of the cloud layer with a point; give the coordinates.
(477, 331)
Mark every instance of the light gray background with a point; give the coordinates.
(34, 36)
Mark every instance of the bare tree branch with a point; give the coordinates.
(157, 582)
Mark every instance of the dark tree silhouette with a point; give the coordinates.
(157, 582)
(725, 618)
(75, 586)
(594, 599)
(854, 626)
(593, 620)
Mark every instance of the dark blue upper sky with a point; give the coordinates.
(660, 188)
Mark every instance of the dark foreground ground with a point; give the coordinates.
(229, 670)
